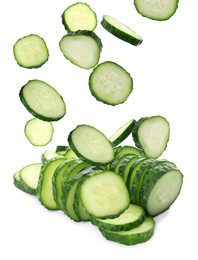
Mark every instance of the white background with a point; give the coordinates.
(164, 70)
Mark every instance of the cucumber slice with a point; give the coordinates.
(160, 188)
(31, 51)
(39, 132)
(29, 176)
(125, 166)
(120, 30)
(81, 48)
(79, 16)
(115, 165)
(104, 195)
(151, 135)
(70, 154)
(91, 145)
(155, 9)
(127, 149)
(42, 100)
(45, 189)
(130, 218)
(122, 133)
(20, 184)
(48, 155)
(110, 83)
(61, 148)
(134, 236)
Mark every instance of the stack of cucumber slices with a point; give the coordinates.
(118, 188)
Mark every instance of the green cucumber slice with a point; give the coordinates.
(151, 135)
(122, 133)
(110, 83)
(120, 30)
(79, 16)
(91, 145)
(130, 218)
(139, 234)
(104, 195)
(69, 153)
(39, 132)
(155, 9)
(48, 155)
(31, 51)
(42, 100)
(127, 149)
(81, 48)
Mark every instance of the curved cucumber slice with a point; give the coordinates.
(127, 149)
(31, 51)
(136, 235)
(82, 48)
(42, 100)
(151, 135)
(39, 132)
(91, 145)
(104, 195)
(79, 16)
(155, 9)
(130, 218)
(120, 30)
(110, 83)
(122, 133)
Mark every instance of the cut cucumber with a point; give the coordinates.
(79, 16)
(151, 135)
(20, 184)
(131, 218)
(160, 10)
(120, 30)
(110, 83)
(61, 149)
(82, 48)
(39, 132)
(125, 166)
(104, 195)
(42, 100)
(45, 189)
(122, 133)
(70, 154)
(91, 145)
(127, 149)
(31, 51)
(48, 155)
(137, 235)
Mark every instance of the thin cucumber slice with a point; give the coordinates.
(125, 166)
(120, 30)
(48, 155)
(91, 145)
(104, 195)
(20, 184)
(122, 133)
(110, 83)
(70, 154)
(29, 176)
(81, 48)
(61, 148)
(115, 166)
(31, 51)
(45, 189)
(39, 132)
(139, 234)
(79, 16)
(151, 135)
(42, 100)
(130, 218)
(127, 149)
(156, 9)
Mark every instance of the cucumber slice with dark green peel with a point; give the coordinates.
(81, 48)
(151, 135)
(115, 165)
(139, 234)
(122, 133)
(79, 16)
(61, 148)
(29, 176)
(57, 181)
(160, 188)
(69, 153)
(45, 189)
(156, 9)
(110, 83)
(69, 188)
(120, 30)
(130, 218)
(42, 100)
(127, 149)
(125, 166)
(20, 184)
(91, 145)
(48, 155)
(31, 51)
(104, 195)
(39, 132)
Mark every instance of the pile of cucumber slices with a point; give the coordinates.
(118, 188)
